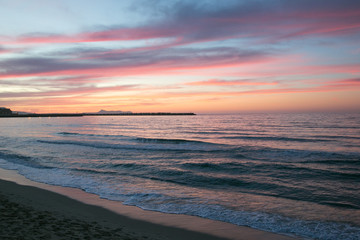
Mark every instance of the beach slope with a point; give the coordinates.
(28, 212)
(32, 213)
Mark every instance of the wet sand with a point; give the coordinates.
(40, 212)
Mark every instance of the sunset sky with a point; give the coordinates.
(180, 56)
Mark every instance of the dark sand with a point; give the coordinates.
(32, 213)
(28, 212)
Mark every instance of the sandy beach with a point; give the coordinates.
(32, 212)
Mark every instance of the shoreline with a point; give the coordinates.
(85, 207)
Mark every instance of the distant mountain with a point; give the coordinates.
(111, 112)
(22, 113)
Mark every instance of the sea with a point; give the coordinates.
(296, 174)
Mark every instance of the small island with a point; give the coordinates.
(8, 113)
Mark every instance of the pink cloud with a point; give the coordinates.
(219, 82)
(120, 34)
(4, 50)
(281, 69)
(353, 83)
(69, 91)
(111, 64)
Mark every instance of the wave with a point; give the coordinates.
(205, 132)
(22, 160)
(283, 169)
(152, 144)
(179, 176)
(170, 141)
(295, 155)
(340, 162)
(341, 204)
(138, 139)
(308, 172)
(88, 134)
(95, 171)
(228, 168)
(258, 220)
(127, 165)
(336, 137)
(267, 138)
(68, 133)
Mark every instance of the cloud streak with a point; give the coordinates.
(191, 23)
(130, 63)
(219, 82)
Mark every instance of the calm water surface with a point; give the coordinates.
(296, 174)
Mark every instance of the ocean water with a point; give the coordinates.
(295, 174)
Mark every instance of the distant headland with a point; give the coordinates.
(8, 113)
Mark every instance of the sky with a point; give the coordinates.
(203, 56)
